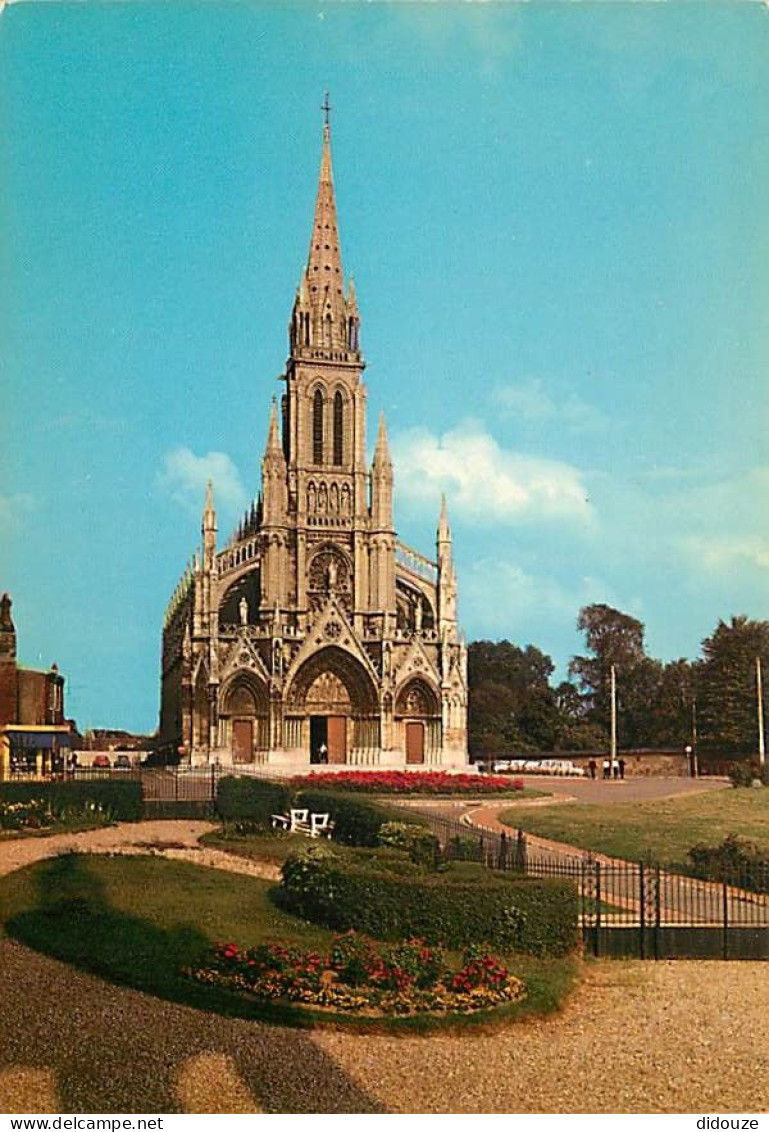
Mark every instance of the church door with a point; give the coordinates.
(337, 738)
(242, 741)
(415, 743)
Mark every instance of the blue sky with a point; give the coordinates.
(556, 219)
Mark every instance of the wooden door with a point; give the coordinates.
(415, 742)
(337, 738)
(242, 741)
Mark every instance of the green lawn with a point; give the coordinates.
(663, 830)
(139, 920)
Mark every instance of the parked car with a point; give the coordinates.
(101, 762)
(122, 762)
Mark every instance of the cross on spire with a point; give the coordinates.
(326, 107)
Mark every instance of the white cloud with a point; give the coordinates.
(483, 481)
(185, 475)
(724, 554)
(13, 508)
(530, 401)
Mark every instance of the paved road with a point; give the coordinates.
(630, 790)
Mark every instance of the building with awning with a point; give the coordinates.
(34, 750)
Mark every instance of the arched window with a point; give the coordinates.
(317, 428)
(338, 428)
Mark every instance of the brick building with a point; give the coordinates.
(33, 731)
(313, 634)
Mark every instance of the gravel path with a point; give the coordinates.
(635, 1037)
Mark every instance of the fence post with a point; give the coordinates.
(597, 937)
(520, 852)
(725, 911)
(642, 906)
(657, 911)
(503, 851)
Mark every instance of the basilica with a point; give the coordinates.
(313, 635)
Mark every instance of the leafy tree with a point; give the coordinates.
(512, 706)
(726, 686)
(613, 638)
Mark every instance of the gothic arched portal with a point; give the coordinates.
(244, 716)
(418, 720)
(332, 707)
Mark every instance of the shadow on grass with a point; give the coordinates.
(74, 921)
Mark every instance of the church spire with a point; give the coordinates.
(324, 318)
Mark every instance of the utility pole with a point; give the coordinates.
(760, 708)
(613, 718)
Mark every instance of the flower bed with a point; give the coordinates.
(34, 813)
(362, 976)
(408, 782)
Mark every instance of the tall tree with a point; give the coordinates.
(614, 639)
(512, 706)
(727, 706)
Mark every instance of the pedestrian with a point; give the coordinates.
(615, 768)
(592, 766)
(606, 768)
(621, 766)
(323, 753)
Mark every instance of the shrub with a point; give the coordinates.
(357, 821)
(422, 847)
(252, 800)
(735, 861)
(116, 800)
(464, 905)
(743, 774)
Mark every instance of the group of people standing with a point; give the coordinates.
(611, 768)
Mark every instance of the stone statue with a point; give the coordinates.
(6, 621)
(332, 575)
(243, 607)
(418, 615)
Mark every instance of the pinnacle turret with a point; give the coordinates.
(382, 450)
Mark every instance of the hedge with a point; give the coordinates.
(357, 820)
(466, 904)
(252, 799)
(735, 861)
(121, 799)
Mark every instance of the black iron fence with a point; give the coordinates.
(634, 909)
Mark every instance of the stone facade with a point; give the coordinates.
(314, 635)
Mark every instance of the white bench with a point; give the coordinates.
(302, 821)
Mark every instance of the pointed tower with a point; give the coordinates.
(324, 412)
(273, 475)
(447, 584)
(208, 529)
(274, 516)
(382, 553)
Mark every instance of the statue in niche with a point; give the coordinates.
(418, 615)
(332, 576)
(386, 658)
(243, 610)
(311, 499)
(277, 657)
(322, 499)
(334, 500)
(346, 500)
